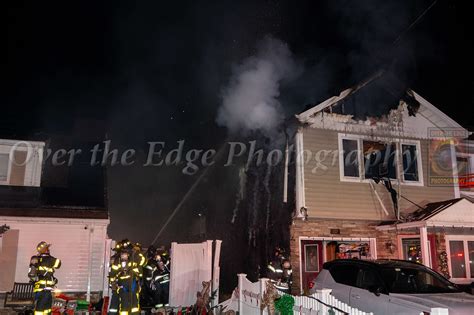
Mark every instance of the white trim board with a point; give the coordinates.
(54, 220)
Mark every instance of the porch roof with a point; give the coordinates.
(448, 213)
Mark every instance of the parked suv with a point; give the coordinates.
(392, 287)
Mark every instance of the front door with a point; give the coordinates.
(311, 262)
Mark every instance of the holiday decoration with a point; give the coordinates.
(268, 299)
(284, 305)
(3, 229)
(443, 264)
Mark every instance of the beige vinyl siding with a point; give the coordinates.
(329, 197)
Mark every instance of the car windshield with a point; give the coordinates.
(415, 280)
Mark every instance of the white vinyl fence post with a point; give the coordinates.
(216, 272)
(439, 311)
(263, 286)
(241, 276)
(324, 297)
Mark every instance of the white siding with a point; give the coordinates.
(70, 243)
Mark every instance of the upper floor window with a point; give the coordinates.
(379, 159)
(410, 162)
(350, 158)
(20, 162)
(463, 165)
(362, 159)
(4, 165)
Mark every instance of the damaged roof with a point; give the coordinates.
(444, 211)
(431, 209)
(377, 97)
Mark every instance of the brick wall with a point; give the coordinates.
(322, 227)
(354, 229)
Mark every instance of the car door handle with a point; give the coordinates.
(355, 296)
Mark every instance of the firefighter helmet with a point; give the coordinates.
(123, 244)
(137, 247)
(162, 255)
(42, 247)
(150, 252)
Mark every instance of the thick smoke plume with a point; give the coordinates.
(250, 100)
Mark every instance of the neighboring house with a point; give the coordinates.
(379, 186)
(75, 224)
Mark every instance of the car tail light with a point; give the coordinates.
(425, 313)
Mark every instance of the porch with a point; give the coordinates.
(440, 236)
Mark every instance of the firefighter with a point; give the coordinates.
(138, 259)
(41, 273)
(286, 278)
(113, 273)
(274, 268)
(279, 270)
(129, 271)
(148, 288)
(161, 279)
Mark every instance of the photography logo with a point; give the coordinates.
(444, 148)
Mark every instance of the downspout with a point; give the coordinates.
(457, 192)
(300, 193)
(285, 176)
(400, 174)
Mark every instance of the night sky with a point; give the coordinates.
(154, 71)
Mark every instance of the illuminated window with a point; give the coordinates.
(458, 263)
(411, 249)
(461, 256)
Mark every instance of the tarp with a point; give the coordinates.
(191, 264)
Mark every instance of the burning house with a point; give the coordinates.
(62, 205)
(376, 176)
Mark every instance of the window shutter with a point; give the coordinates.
(17, 175)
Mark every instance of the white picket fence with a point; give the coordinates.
(322, 302)
(247, 299)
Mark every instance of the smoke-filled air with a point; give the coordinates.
(250, 99)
